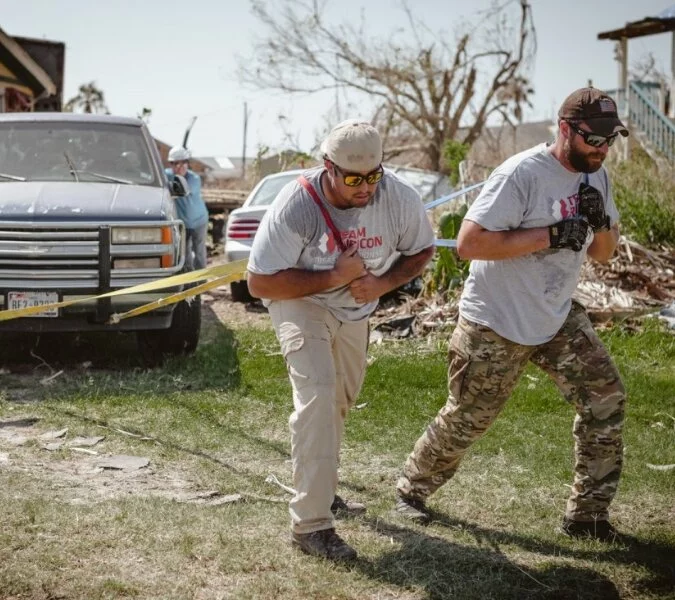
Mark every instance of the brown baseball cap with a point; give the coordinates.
(596, 109)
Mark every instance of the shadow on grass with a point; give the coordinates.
(110, 362)
(447, 569)
(655, 557)
(212, 415)
(142, 435)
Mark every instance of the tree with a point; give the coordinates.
(145, 115)
(425, 90)
(89, 99)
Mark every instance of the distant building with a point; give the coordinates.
(496, 144)
(196, 165)
(225, 167)
(31, 74)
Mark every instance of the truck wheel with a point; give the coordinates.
(239, 292)
(180, 338)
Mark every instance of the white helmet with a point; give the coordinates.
(179, 153)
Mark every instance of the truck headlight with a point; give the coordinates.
(137, 263)
(141, 235)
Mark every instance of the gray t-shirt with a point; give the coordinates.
(527, 299)
(294, 234)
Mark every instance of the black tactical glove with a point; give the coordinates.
(592, 206)
(570, 233)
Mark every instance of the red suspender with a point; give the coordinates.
(326, 216)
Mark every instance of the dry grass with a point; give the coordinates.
(217, 425)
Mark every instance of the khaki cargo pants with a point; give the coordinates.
(326, 361)
(483, 370)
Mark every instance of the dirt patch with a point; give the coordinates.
(73, 471)
(29, 364)
(217, 307)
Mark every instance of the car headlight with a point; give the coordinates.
(141, 235)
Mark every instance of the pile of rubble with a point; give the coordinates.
(637, 281)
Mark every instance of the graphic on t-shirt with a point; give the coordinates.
(327, 243)
(360, 238)
(566, 208)
(351, 237)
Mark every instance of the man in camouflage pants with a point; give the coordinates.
(538, 216)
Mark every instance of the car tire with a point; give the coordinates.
(181, 338)
(239, 292)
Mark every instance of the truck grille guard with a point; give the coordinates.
(80, 256)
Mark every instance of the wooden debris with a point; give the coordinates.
(637, 281)
(86, 441)
(660, 467)
(54, 434)
(123, 462)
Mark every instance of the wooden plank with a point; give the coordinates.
(223, 199)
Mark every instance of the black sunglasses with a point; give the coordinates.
(356, 179)
(593, 139)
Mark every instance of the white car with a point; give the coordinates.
(243, 222)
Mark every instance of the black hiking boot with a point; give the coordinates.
(412, 509)
(325, 543)
(597, 530)
(343, 509)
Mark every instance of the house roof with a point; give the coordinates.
(661, 23)
(23, 66)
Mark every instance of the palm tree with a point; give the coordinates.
(89, 99)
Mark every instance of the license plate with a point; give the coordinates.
(19, 300)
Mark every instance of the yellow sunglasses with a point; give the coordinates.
(356, 179)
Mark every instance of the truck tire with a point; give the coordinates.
(180, 338)
(239, 292)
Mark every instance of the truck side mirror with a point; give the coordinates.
(179, 186)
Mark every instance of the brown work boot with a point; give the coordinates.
(343, 509)
(597, 530)
(325, 543)
(412, 509)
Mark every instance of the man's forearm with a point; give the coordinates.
(604, 244)
(405, 269)
(291, 283)
(499, 245)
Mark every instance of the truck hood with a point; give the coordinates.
(82, 201)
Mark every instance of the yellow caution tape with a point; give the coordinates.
(223, 274)
(193, 291)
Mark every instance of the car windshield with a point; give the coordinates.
(269, 189)
(75, 151)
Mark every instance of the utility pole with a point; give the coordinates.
(243, 154)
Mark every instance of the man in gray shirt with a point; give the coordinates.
(330, 245)
(529, 231)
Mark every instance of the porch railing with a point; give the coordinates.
(645, 116)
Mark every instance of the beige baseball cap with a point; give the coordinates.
(354, 145)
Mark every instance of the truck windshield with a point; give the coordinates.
(98, 152)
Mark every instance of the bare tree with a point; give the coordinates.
(424, 90)
(89, 99)
(646, 69)
(145, 114)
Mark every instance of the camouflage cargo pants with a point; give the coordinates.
(483, 370)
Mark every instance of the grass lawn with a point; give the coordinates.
(215, 424)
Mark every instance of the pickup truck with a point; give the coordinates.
(85, 208)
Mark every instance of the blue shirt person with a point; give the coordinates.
(191, 209)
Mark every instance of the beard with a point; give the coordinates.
(581, 162)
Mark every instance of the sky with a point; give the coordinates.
(179, 58)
